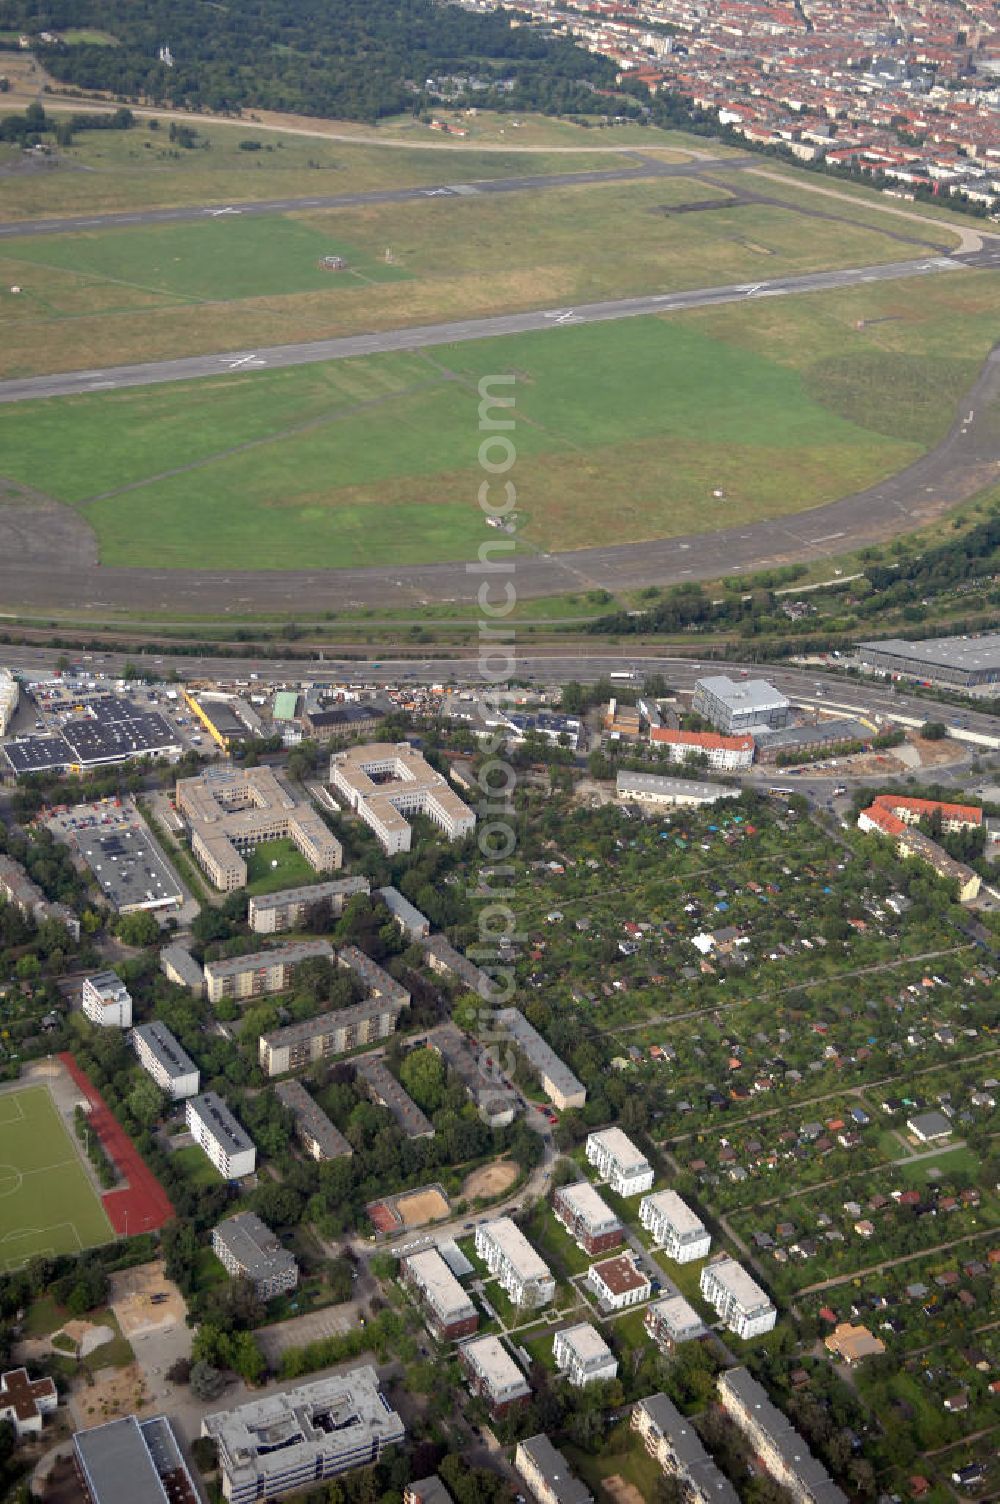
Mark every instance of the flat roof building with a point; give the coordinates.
(507, 1253)
(320, 1138)
(286, 1443)
(449, 1310)
(493, 1374)
(619, 1162)
(130, 1461)
(654, 788)
(262, 972)
(739, 707)
(582, 1355)
(271, 913)
(547, 1473)
(671, 1321)
(587, 1218)
(106, 1001)
(558, 1082)
(224, 1140)
(386, 1092)
(386, 782)
(962, 661)
(675, 1227)
(737, 1298)
(163, 1057)
(675, 1444)
(248, 1249)
(775, 1440)
(230, 811)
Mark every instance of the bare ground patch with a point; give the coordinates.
(490, 1180)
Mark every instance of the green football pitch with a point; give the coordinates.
(47, 1203)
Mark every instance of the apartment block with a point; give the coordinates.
(386, 783)
(298, 1045)
(320, 1138)
(386, 1091)
(671, 1321)
(272, 913)
(414, 925)
(266, 971)
(674, 1226)
(26, 896)
(287, 1443)
(230, 811)
(507, 1253)
(582, 1355)
(376, 982)
(224, 1140)
(558, 1082)
(493, 1375)
(618, 1282)
(166, 1060)
(547, 1473)
(427, 1491)
(587, 1218)
(727, 754)
(618, 1161)
(449, 1310)
(737, 1298)
(180, 967)
(775, 1441)
(10, 693)
(248, 1249)
(106, 1001)
(672, 1440)
(496, 1103)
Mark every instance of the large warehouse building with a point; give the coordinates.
(962, 661)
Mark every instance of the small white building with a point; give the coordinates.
(671, 1321)
(737, 1298)
(618, 1282)
(106, 1000)
(224, 1140)
(619, 1162)
(675, 1227)
(166, 1060)
(507, 1253)
(582, 1355)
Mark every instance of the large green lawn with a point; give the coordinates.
(47, 1203)
(277, 864)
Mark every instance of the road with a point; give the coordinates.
(645, 167)
(459, 331)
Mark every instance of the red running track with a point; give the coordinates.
(142, 1205)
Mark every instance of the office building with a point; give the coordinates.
(618, 1161)
(180, 967)
(507, 1253)
(386, 783)
(287, 1443)
(493, 1375)
(319, 1137)
(582, 1356)
(262, 971)
(248, 1249)
(726, 754)
(674, 1227)
(230, 811)
(27, 897)
(224, 1140)
(272, 913)
(9, 696)
(166, 1060)
(618, 1282)
(964, 662)
(737, 1298)
(587, 1218)
(775, 1441)
(298, 1045)
(547, 1473)
(737, 708)
(385, 1091)
(671, 1439)
(106, 1001)
(671, 1321)
(449, 1311)
(684, 793)
(23, 1401)
(557, 1080)
(132, 1461)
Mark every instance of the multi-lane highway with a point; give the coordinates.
(424, 336)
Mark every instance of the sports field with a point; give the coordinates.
(624, 431)
(47, 1203)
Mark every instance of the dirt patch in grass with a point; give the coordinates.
(621, 1492)
(422, 1206)
(490, 1181)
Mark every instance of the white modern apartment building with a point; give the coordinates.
(169, 1064)
(582, 1355)
(449, 1310)
(618, 1282)
(671, 1321)
(387, 782)
(737, 1298)
(287, 1443)
(618, 1161)
(224, 1140)
(507, 1253)
(106, 1000)
(675, 1227)
(493, 1374)
(672, 1440)
(775, 1440)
